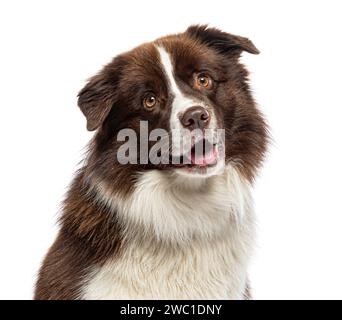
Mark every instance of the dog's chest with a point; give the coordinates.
(214, 271)
(208, 235)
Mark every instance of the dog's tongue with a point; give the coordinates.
(203, 159)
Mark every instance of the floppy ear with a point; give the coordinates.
(97, 98)
(221, 41)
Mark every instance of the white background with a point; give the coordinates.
(48, 49)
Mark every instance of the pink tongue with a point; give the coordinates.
(204, 159)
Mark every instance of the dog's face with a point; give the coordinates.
(185, 83)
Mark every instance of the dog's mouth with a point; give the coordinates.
(202, 155)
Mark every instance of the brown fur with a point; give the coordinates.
(111, 101)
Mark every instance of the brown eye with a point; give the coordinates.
(203, 81)
(150, 101)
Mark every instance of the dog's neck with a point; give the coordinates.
(176, 209)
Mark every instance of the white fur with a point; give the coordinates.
(186, 239)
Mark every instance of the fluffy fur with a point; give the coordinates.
(149, 231)
(203, 238)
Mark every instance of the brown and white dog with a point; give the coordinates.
(162, 231)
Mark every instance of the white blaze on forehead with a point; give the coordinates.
(180, 102)
(168, 70)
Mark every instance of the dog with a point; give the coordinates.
(135, 228)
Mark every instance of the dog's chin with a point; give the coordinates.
(200, 171)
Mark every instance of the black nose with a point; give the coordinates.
(195, 118)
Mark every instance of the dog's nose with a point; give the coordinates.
(195, 118)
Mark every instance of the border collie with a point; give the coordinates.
(147, 217)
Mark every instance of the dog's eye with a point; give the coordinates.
(202, 80)
(150, 101)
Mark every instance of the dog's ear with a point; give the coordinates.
(98, 96)
(223, 42)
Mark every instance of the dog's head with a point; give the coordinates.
(154, 105)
